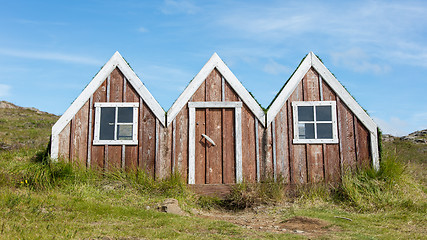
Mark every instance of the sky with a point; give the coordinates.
(50, 50)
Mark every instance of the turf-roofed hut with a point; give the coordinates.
(316, 130)
(217, 128)
(115, 123)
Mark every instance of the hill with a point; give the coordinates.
(22, 127)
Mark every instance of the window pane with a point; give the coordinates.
(324, 130)
(323, 113)
(125, 115)
(305, 113)
(107, 123)
(306, 130)
(124, 132)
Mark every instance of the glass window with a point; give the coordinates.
(315, 122)
(116, 123)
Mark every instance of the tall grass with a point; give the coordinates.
(389, 188)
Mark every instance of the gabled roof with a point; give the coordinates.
(215, 62)
(115, 61)
(312, 61)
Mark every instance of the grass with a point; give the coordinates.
(44, 200)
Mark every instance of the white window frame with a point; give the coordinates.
(98, 106)
(333, 105)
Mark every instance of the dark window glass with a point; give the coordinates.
(305, 113)
(107, 123)
(323, 113)
(306, 130)
(124, 132)
(125, 115)
(324, 130)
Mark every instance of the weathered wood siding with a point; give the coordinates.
(74, 139)
(215, 165)
(266, 152)
(309, 163)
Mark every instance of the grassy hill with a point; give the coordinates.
(24, 127)
(44, 200)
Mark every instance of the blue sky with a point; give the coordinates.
(50, 50)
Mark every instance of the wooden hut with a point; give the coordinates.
(114, 123)
(316, 129)
(216, 128)
(216, 132)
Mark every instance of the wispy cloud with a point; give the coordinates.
(5, 90)
(179, 7)
(51, 56)
(358, 60)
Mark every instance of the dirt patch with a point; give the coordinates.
(305, 224)
(271, 220)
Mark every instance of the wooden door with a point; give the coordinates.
(215, 146)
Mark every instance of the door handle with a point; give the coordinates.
(209, 139)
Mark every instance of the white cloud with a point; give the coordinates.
(274, 68)
(377, 27)
(5, 90)
(359, 61)
(50, 56)
(179, 6)
(394, 126)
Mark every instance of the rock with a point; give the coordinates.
(147, 208)
(416, 137)
(171, 205)
(298, 231)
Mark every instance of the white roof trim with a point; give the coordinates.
(311, 60)
(115, 61)
(215, 62)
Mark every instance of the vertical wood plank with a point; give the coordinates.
(80, 135)
(157, 165)
(149, 141)
(89, 133)
(173, 146)
(98, 151)
(315, 162)
(165, 162)
(200, 146)
(273, 143)
(214, 153)
(282, 151)
(131, 151)
(332, 152)
(248, 144)
(363, 142)
(140, 162)
(346, 135)
(298, 157)
(213, 86)
(64, 142)
(181, 141)
(257, 157)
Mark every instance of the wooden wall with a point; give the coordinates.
(309, 163)
(214, 88)
(75, 139)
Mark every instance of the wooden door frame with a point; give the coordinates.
(192, 136)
